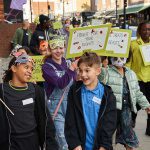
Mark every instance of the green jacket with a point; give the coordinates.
(136, 62)
(18, 37)
(115, 80)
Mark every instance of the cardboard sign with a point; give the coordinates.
(57, 25)
(37, 73)
(145, 52)
(92, 38)
(118, 43)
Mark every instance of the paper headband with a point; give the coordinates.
(22, 58)
(56, 43)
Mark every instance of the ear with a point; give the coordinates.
(13, 68)
(98, 71)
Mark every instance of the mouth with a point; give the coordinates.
(28, 76)
(85, 80)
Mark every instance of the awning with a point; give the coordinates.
(145, 7)
(129, 10)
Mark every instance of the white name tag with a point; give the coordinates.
(41, 37)
(27, 34)
(96, 100)
(27, 101)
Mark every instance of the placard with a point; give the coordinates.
(145, 52)
(92, 38)
(57, 25)
(37, 72)
(118, 43)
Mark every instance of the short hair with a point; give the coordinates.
(90, 59)
(25, 48)
(140, 26)
(25, 21)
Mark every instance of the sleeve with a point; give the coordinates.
(52, 78)
(71, 132)
(34, 44)
(51, 143)
(103, 75)
(140, 98)
(15, 38)
(109, 122)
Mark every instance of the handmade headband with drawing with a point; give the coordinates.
(22, 58)
(56, 43)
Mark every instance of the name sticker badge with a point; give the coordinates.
(27, 101)
(41, 37)
(96, 100)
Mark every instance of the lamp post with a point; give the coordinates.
(116, 12)
(124, 13)
(31, 9)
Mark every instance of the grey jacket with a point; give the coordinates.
(115, 80)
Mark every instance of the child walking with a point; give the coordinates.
(124, 84)
(58, 77)
(25, 123)
(91, 111)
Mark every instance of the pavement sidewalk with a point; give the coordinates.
(140, 131)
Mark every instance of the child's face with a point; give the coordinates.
(22, 72)
(105, 62)
(57, 53)
(22, 51)
(89, 74)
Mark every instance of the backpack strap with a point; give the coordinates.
(2, 98)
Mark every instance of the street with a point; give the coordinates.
(140, 130)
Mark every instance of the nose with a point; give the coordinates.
(82, 74)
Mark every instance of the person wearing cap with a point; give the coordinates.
(22, 35)
(41, 33)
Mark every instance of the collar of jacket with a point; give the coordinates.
(77, 98)
(126, 69)
(140, 41)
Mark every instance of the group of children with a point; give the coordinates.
(84, 113)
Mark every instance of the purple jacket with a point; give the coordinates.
(51, 78)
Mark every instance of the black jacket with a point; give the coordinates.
(45, 126)
(75, 130)
(38, 36)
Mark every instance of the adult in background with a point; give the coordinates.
(137, 65)
(22, 35)
(41, 33)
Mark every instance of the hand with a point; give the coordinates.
(148, 110)
(73, 65)
(78, 148)
(102, 148)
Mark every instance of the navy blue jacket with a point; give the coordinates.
(75, 130)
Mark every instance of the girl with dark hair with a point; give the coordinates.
(25, 123)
